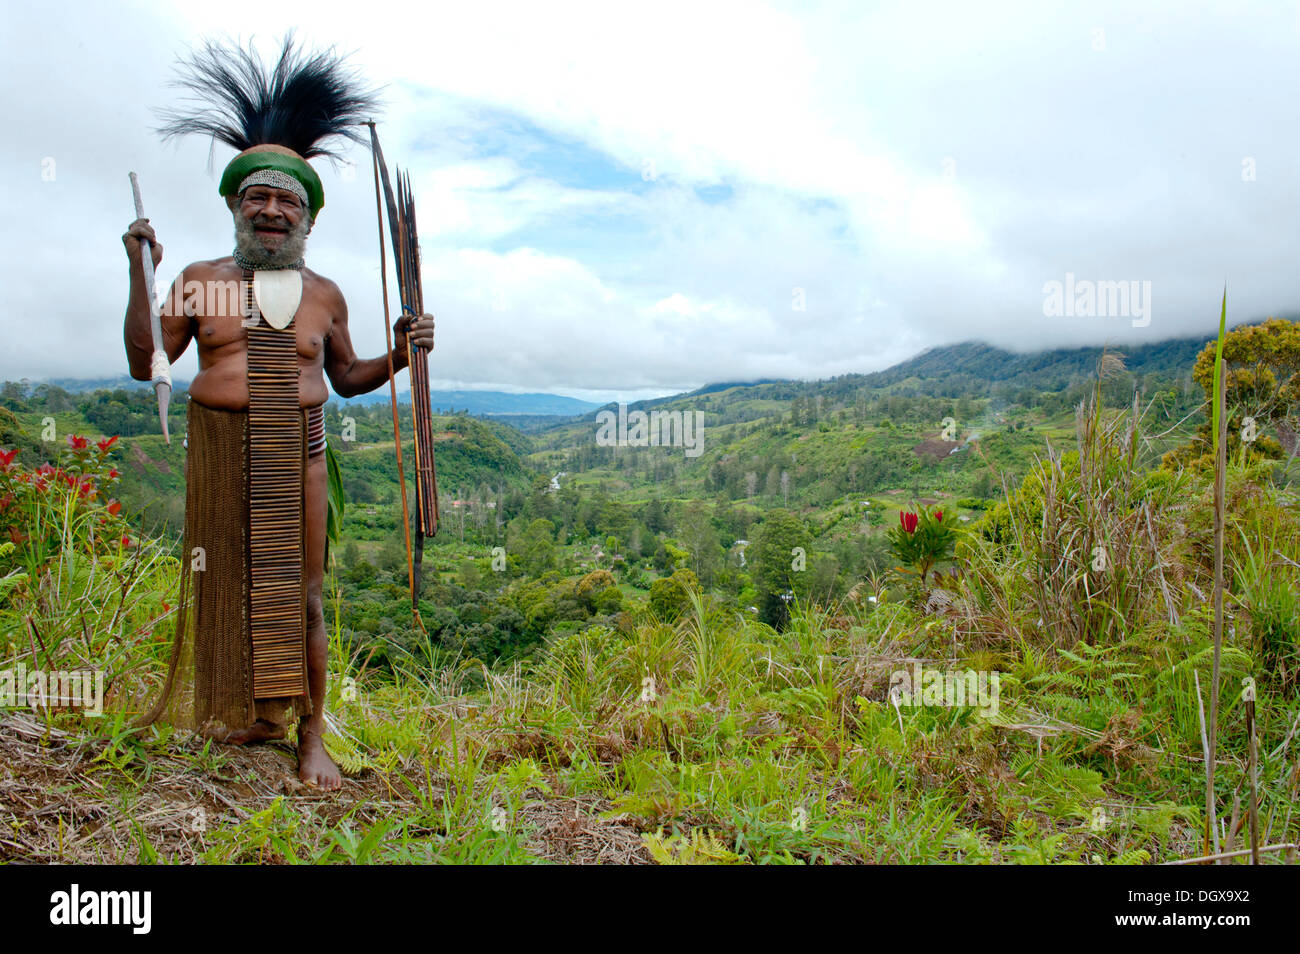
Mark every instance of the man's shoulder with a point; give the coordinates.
(212, 268)
(321, 285)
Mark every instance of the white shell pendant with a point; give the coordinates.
(278, 294)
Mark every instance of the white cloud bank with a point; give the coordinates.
(874, 181)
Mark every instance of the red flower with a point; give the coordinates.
(167, 607)
(105, 444)
(938, 515)
(87, 487)
(126, 541)
(112, 473)
(7, 457)
(6, 500)
(114, 507)
(77, 443)
(908, 522)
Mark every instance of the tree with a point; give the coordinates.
(701, 542)
(655, 519)
(1263, 382)
(592, 586)
(392, 556)
(537, 547)
(772, 486)
(777, 569)
(670, 596)
(12, 395)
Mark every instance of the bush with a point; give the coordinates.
(670, 595)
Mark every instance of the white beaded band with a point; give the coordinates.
(160, 368)
(276, 180)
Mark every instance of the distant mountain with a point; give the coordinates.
(707, 389)
(121, 382)
(1045, 369)
(970, 368)
(490, 403)
(485, 403)
(959, 368)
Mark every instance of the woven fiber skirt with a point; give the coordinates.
(240, 652)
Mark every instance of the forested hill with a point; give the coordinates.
(970, 370)
(1041, 370)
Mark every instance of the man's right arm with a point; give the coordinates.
(137, 331)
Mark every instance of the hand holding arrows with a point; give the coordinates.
(418, 330)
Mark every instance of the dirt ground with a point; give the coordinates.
(62, 800)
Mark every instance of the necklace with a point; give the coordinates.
(250, 266)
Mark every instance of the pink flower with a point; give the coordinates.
(908, 522)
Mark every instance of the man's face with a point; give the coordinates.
(271, 225)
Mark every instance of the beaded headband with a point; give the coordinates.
(276, 180)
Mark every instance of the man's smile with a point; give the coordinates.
(270, 229)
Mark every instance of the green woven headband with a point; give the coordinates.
(243, 165)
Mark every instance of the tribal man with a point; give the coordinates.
(256, 497)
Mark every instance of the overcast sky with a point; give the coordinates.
(627, 199)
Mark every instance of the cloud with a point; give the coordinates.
(622, 200)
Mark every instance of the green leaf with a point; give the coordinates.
(337, 500)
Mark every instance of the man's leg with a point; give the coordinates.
(314, 763)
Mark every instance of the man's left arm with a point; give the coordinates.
(350, 375)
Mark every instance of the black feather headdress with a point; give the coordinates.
(300, 105)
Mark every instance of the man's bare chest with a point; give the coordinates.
(221, 325)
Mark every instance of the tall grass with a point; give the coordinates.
(712, 738)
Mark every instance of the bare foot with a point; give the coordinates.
(315, 767)
(259, 731)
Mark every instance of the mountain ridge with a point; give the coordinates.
(956, 363)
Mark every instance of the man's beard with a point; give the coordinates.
(250, 247)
